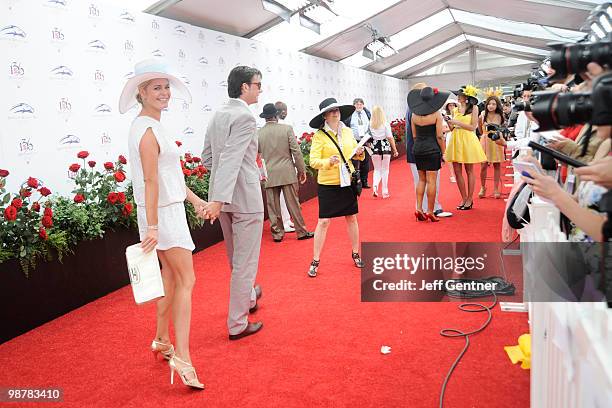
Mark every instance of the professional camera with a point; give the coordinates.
(522, 106)
(496, 132)
(568, 59)
(554, 110)
(537, 80)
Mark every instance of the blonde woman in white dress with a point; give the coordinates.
(160, 192)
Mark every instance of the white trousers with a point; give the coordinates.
(381, 172)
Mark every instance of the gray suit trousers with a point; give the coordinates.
(242, 235)
(293, 205)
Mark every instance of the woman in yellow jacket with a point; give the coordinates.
(336, 198)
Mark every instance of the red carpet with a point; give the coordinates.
(320, 346)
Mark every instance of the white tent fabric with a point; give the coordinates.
(428, 35)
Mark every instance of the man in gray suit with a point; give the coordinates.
(279, 149)
(234, 193)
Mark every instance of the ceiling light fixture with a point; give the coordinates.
(277, 8)
(379, 47)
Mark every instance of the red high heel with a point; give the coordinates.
(432, 217)
(420, 216)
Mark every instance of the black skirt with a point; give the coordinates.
(381, 147)
(336, 201)
(430, 162)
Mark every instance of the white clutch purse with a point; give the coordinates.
(145, 274)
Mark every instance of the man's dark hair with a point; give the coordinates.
(238, 76)
(358, 100)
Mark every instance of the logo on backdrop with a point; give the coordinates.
(16, 71)
(237, 45)
(201, 36)
(188, 131)
(127, 17)
(13, 32)
(128, 47)
(203, 61)
(102, 110)
(69, 141)
(57, 35)
(185, 106)
(181, 54)
(64, 106)
(221, 62)
(253, 46)
(96, 46)
(94, 11)
(21, 111)
(57, 4)
(223, 84)
(25, 146)
(207, 108)
(180, 30)
(105, 139)
(204, 84)
(158, 53)
(220, 40)
(154, 25)
(62, 72)
(185, 80)
(98, 76)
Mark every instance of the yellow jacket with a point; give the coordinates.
(322, 149)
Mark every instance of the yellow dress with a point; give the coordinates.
(464, 146)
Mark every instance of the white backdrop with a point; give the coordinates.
(64, 63)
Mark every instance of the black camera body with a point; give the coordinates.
(496, 132)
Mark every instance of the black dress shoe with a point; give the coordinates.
(278, 239)
(251, 328)
(258, 291)
(254, 308)
(308, 235)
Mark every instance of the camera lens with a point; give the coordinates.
(522, 106)
(568, 59)
(555, 110)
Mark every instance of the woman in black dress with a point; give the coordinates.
(427, 127)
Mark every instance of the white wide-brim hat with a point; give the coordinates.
(450, 99)
(153, 68)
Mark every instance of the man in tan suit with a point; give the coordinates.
(279, 149)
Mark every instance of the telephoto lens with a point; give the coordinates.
(522, 106)
(568, 59)
(554, 110)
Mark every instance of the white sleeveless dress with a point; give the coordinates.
(171, 218)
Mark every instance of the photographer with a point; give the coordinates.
(492, 143)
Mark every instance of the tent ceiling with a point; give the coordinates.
(417, 28)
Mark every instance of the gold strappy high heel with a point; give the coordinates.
(183, 372)
(166, 350)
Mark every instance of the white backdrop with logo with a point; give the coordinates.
(64, 63)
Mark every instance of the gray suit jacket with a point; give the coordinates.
(230, 153)
(278, 147)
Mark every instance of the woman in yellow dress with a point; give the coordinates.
(464, 147)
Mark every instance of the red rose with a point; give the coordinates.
(74, 167)
(83, 154)
(44, 191)
(25, 193)
(17, 203)
(10, 213)
(127, 209)
(47, 221)
(91, 164)
(42, 233)
(187, 172)
(119, 176)
(121, 197)
(188, 158)
(48, 212)
(36, 207)
(32, 182)
(122, 159)
(79, 198)
(4, 173)
(109, 166)
(112, 198)
(179, 144)
(196, 159)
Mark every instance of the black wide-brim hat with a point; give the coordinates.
(461, 91)
(426, 101)
(327, 105)
(269, 111)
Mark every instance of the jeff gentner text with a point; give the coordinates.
(435, 285)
